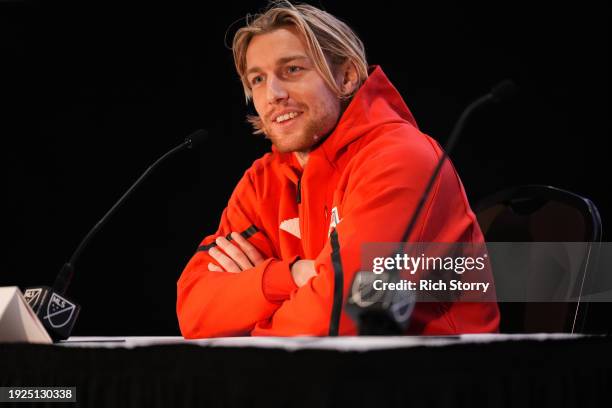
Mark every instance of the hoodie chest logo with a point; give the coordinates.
(292, 226)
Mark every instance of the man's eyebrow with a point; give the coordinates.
(280, 61)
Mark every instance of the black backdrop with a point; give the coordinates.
(92, 95)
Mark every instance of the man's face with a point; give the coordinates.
(295, 105)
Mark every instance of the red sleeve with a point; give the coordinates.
(212, 304)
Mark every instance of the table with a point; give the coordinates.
(463, 371)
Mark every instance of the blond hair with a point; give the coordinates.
(329, 43)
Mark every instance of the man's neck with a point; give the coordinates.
(302, 158)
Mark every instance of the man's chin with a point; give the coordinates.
(285, 146)
(287, 149)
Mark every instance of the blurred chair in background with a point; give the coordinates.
(537, 213)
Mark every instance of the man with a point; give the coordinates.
(347, 157)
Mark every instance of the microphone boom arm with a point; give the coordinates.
(63, 279)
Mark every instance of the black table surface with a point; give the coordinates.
(465, 371)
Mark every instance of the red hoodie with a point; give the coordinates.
(365, 180)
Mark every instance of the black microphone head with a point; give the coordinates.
(506, 89)
(195, 138)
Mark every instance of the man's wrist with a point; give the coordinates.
(277, 280)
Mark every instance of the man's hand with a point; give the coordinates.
(234, 258)
(302, 271)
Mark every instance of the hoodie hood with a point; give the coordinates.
(376, 103)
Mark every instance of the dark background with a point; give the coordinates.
(92, 95)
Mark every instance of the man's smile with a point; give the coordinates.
(286, 116)
(286, 119)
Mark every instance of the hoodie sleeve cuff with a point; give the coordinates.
(277, 282)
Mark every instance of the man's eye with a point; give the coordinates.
(293, 69)
(256, 80)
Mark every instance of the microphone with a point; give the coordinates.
(57, 312)
(377, 312)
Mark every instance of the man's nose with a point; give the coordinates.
(276, 90)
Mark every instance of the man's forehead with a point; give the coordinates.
(276, 47)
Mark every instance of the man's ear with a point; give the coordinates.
(348, 78)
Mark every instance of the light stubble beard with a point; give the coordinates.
(311, 136)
